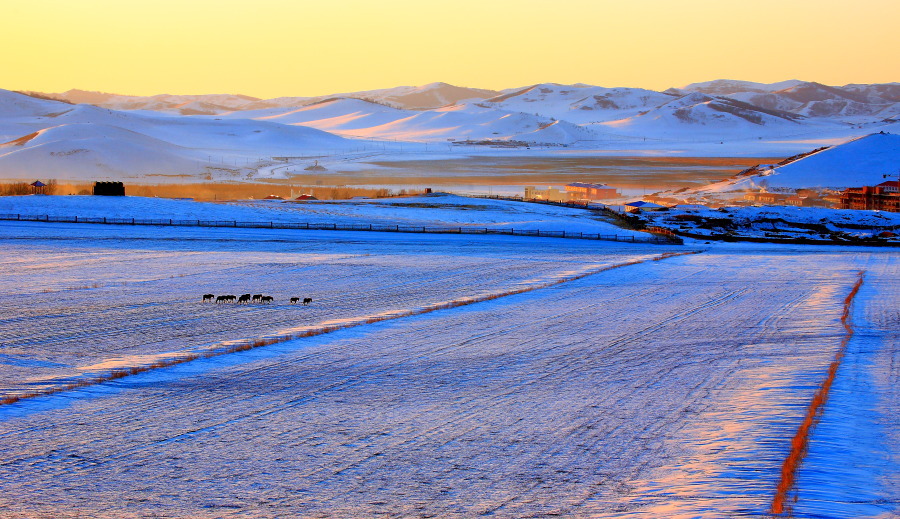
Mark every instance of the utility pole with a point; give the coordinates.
(889, 175)
(893, 189)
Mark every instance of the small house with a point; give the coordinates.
(640, 205)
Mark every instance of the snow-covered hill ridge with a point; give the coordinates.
(242, 143)
(578, 103)
(78, 142)
(851, 103)
(433, 95)
(859, 162)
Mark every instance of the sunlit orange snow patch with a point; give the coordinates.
(800, 442)
(21, 140)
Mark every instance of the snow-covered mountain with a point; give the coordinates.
(699, 115)
(850, 103)
(358, 118)
(724, 87)
(181, 104)
(579, 104)
(42, 138)
(424, 97)
(244, 132)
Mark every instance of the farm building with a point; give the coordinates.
(592, 191)
(883, 197)
(640, 205)
(109, 189)
(551, 193)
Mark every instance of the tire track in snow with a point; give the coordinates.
(800, 442)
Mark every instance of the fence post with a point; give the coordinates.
(104, 219)
(170, 221)
(132, 221)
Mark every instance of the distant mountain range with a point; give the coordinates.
(220, 136)
(578, 103)
(409, 98)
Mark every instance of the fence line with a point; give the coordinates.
(339, 227)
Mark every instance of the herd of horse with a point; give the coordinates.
(247, 299)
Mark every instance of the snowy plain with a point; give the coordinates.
(667, 388)
(436, 210)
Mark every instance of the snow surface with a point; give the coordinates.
(777, 222)
(664, 389)
(438, 210)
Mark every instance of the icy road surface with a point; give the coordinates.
(667, 388)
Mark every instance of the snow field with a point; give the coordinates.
(668, 388)
(439, 211)
(84, 318)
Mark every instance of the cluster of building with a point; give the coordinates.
(883, 197)
(572, 192)
(802, 198)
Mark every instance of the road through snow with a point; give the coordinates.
(662, 389)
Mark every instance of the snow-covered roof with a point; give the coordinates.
(645, 205)
(589, 186)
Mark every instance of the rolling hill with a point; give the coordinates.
(54, 139)
(859, 162)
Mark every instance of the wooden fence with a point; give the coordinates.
(658, 239)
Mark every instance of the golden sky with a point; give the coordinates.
(272, 48)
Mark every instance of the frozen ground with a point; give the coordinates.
(778, 222)
(430, 211)
(666, 388)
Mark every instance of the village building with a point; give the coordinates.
(640, 205)
(883, 197)
(766, 198)
(550, 194)
(583, 190)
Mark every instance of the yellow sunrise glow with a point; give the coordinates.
(271, 48)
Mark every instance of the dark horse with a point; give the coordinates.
(245, 298)
(266, 299)
(307, 300)
(208, 297)
(295, 300)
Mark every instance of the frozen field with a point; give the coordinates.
(438, 210)
(667, 388)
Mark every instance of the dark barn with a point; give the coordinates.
(109, 189)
